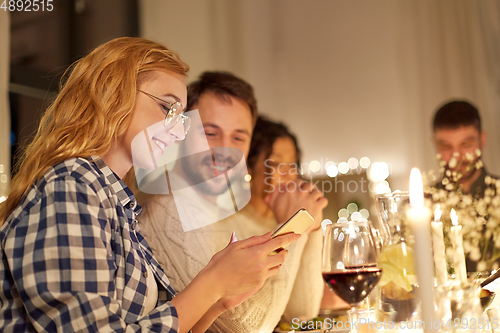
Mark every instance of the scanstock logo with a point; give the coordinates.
(207, 184)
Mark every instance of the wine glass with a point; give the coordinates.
(349, 262)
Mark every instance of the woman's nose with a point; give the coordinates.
(177, 132)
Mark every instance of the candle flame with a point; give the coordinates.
(416, 188)
(437, 214)
(454, 217)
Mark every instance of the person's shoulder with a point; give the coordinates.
(151, 200)
(492, 181)
(145, 199)
(77, 169)
(157, 207)
(69, 176)
(492, 176)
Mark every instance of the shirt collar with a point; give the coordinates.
(124, 194)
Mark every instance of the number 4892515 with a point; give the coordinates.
(27, 5)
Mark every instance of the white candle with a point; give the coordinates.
(438, 247)
(437, 214)
(458, 248)
(419, 218)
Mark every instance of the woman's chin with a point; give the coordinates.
(149, 167)
(146, 163)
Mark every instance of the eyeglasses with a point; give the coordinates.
(173, 113)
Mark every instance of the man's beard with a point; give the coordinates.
(209, 183)
(466, 175)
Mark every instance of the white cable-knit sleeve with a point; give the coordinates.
(308, 288)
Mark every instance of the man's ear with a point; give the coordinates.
(483, 139)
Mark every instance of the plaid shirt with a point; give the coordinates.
(74, 261)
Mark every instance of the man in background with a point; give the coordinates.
(460, 140)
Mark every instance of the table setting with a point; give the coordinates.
(411, 273)
(426, 261)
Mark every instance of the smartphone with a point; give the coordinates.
(298, 223)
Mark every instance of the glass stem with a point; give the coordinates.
(355, 318)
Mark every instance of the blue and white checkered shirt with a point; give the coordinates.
(74, 261)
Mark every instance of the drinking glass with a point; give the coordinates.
(349, 262)
(494, 319)
(459, 307)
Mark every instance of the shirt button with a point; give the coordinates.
(132, 204)
(145, 274)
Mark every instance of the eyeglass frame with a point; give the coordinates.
(172, 113)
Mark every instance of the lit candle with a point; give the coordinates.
(438, 246)
(458, 247)
(419, 218)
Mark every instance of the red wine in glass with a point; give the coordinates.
(349, 262)
(353, 284)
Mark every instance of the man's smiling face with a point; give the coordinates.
(227, 122)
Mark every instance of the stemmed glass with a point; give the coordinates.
(349, 262)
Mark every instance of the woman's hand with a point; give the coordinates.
(230, 302)
(243, 266)
(232, 275)
(285, 203)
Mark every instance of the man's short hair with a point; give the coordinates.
(223, 84)
(455, 114)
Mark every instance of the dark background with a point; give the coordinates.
(44, 44)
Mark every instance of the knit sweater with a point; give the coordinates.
(295, 292)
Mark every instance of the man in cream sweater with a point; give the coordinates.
(187, 228)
